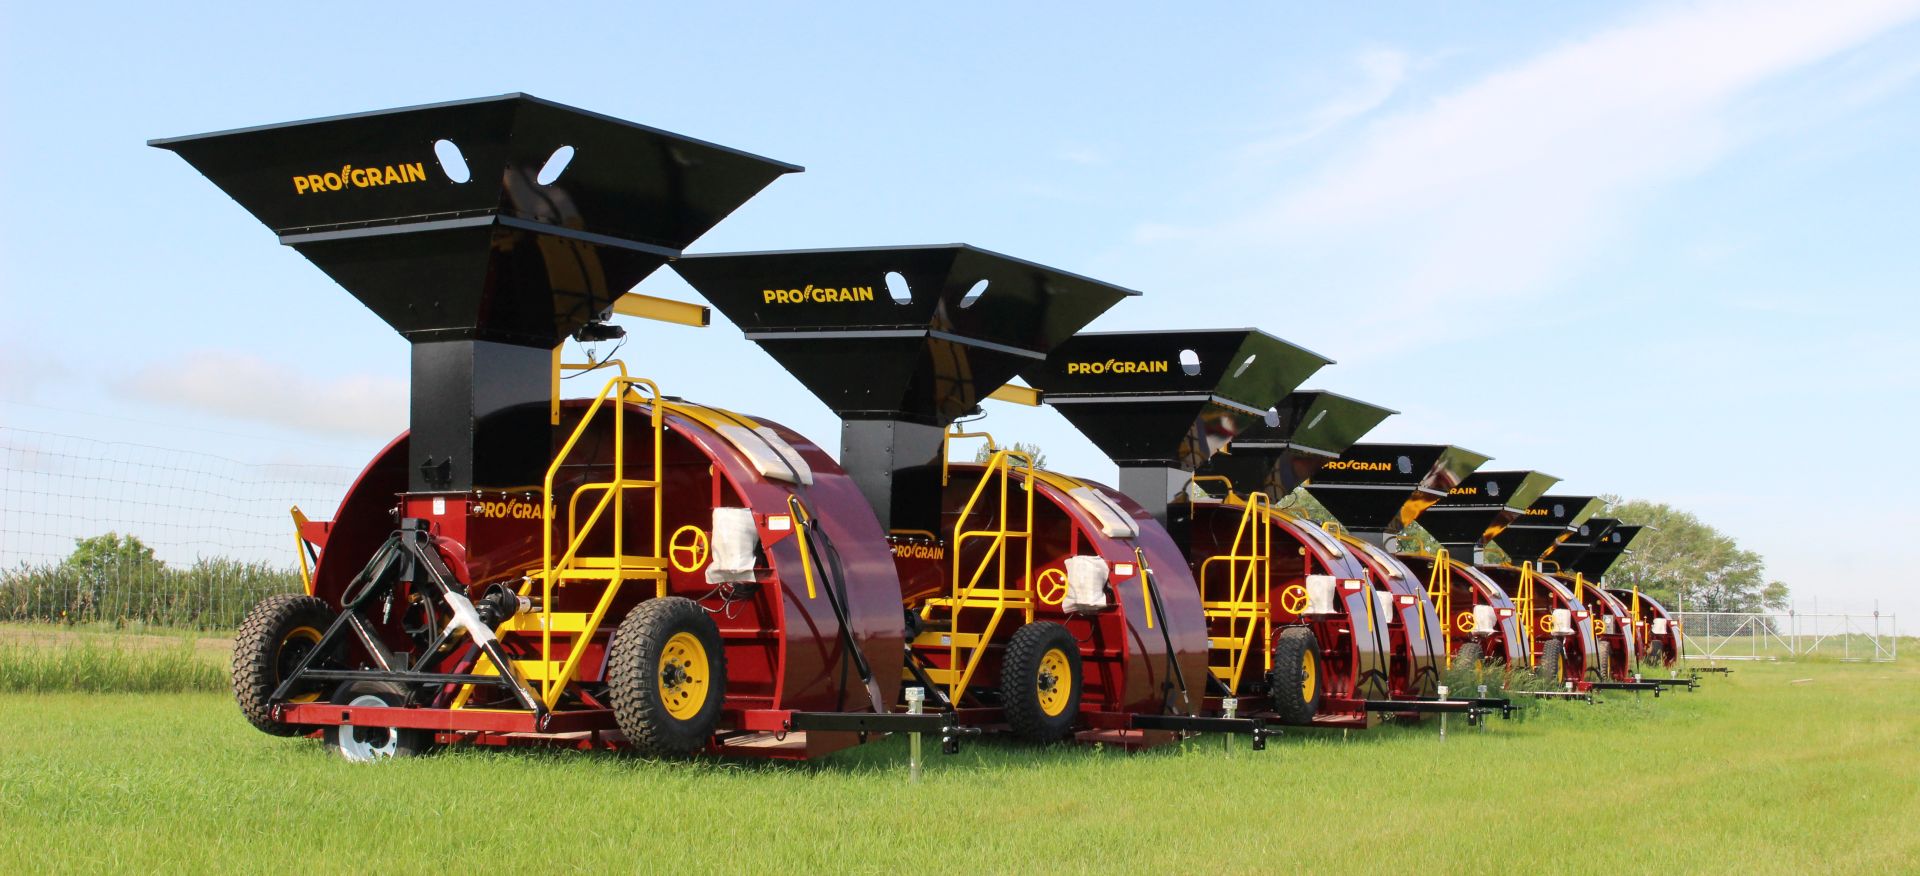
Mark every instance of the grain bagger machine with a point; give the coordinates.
(625, 570)
(1045, 604)
(1568, 619)
(1375, 491)
(1479, 616)
(1656, 630)
(1623, 620)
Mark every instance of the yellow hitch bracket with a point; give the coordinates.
(300, 547)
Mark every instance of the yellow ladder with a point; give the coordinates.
(1236, 587)
(1440, 591)
(1010, 588)
(571, 567)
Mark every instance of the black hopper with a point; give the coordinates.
(1582, 539)
(1614, 543)
(1481, 506)
(485, 231)
(900, 342)
(1305, 431)
(1159, 404)
(1377, 489)
(1547, 522)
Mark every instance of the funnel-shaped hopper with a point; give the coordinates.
(1161, 403)
(1375, 489)
(485, 231)
(1616, 542)
(1581, 539)
(1481, 506)
(1305, 431)
(1545, 523)
(900, 342)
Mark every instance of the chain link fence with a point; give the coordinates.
(120, 533)
(1719, 635)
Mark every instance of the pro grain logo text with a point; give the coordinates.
(811, 294)
(1120, 366)
(350, 177)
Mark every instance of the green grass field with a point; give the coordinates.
(1778, 768)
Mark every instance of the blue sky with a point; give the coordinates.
(1662, 250)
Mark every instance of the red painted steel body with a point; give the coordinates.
(1470, 587)
(1354, 644)
(1124, 660)
(784, 650)
(1578, 659)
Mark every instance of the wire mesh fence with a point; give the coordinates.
(95, 531)
(1721, 635)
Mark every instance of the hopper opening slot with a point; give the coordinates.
(898, 288)
(453, 162)
(973, 294)
(556, 165)
(1190, 363)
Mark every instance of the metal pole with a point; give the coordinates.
(916, 701)
(1443, 715)
(1231, 708)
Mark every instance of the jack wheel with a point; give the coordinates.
(275, 636)
(1295, 684)
(1469, 655)
(1040, 682)
(667, 676)
(368, 744)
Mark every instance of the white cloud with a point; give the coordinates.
(1381, 73)
(247, 387)
(1502, 187)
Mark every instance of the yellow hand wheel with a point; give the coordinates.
(1599, 625)
(687, 549)
(1293, 600)
(1051, 586)
(1463, 622)
(1546, 624)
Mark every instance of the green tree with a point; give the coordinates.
(1033, 450)
(1681, 558)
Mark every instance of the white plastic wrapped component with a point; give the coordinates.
(735, 541)
(1485, 620)
(1086, 585)
(1383, 604)
(1659, 626)
(769, 454)
(1114, 522)
(1562, 622)
(1610, 625)
(1321, 593)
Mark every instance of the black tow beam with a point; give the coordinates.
(1627, 685)
(1585, 696)
(1474, 709)
(1251, 727)
(941, 724)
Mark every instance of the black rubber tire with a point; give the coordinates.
(1469, 655)
(1552, 656)
(406, 742)
(1021, 682)
(1657, 655)
(634, 673)
(262, 658)
(1295, 695)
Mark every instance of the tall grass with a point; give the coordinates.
(97, 668)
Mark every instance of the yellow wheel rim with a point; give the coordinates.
(1051, 586)
(1054, 681)
(1293, 600)
(684, 676)
(1309, 669)
(299, 634)
(688, 548)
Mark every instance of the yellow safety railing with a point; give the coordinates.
(621, 389)
(1528, 629)
(1440, 591)
(1243, 593)
(995, 490)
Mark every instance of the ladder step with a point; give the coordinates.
(937, 639)
(627, 562)
(534, 622)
